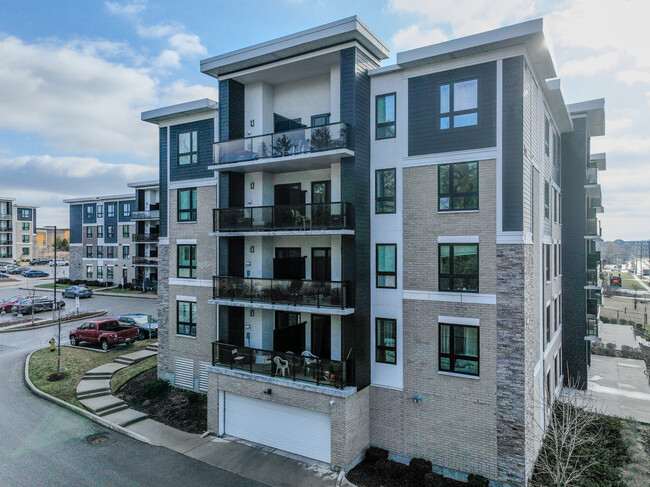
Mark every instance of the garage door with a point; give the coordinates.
(288, 428)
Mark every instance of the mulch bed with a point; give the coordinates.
(180, 409)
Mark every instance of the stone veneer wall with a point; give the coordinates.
(164, 360)
(76, 262)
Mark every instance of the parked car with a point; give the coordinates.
(7, 267)
(5, 306)
(39, 303)
(147, 326)
(107, 332)
(17, 270)
(74, 291)
(39, 262)
(59, 262)
(34, 273)
(4, 276)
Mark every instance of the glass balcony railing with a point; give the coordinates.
(145, 215)
(315, 370)
(592, 227)
(592, 307)
(145, 237)
(144, 261)
(593, 277)
(6, 255)
(6, 241)
(592, 328)
(296, 292)
(281, 144)
(316, 216)
(6, 228)
(592, 175)
(593, 260)
(5, 216)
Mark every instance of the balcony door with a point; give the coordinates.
(321, 336)
(288, 199)
(288, 333)
(321, 264)
(288, 263)
(320, 199)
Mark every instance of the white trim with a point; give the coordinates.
(451, 157)
(179, 281)
(458, 239)
(273, 233)
(191, 299)
(185, 241)
(284, 307)
(191, 183)
(513, 238)
(459, 320)
(185, 336)
(499, 148)
(163, 241)
(550, 345)
(462, 376)
(449, 297)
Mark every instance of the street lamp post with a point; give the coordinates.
(58, 311)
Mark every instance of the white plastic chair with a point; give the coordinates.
(281, 366)
(309, 360)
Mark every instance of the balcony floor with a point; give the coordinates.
(292, 163)
(273, 233)
(284, 307)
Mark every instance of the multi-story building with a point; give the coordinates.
(45, 236)
(100, 238)
(146, 216)
(17, 231)
(355, 255)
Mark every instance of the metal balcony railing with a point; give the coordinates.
(145, 237)
(144, 261)
(6, 228)
(592, 328)
(592, 227)
(145, 215)
(281, 144)
(592, 175)
(592, 307)
(593, 260)
(315, 216)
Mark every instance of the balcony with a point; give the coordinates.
(593, 278)
(292, 292)
(593, 229)
(322, 372)
(592, 330)
(6, 228)
(593, 305)
(311, 217)
(303, 148)
(6, 241)
(5, 216)
(145, 261)
(145, 237)
(145, 215)
(6, 255)
(593, 260)
(592, 175)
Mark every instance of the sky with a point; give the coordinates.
(75, 76)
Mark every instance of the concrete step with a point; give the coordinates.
(109, 368)
(125, 417)
(89, 386)
(97, 377)
(124, 361)
(136, 356)
(152, 348)
(100, 404)
(88, 395)
(112, 410)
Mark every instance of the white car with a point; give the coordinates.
(59, 262)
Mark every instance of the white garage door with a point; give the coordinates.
(288, 428)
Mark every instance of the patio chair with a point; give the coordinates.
(300, 219)
(281, 366)
(237, 359)
(309, 361)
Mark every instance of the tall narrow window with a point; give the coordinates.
(110, 252)
(100, 232)
(385, 191)
(89, 232)
(385, 116)
(89, 251)
(125, 231)
(90, 212)
(387, 265)
(109, 272)
(100, 211)
(187, 261)
(100, 253)
(110, 210)
(100, 272)
(89, 271)
(187, 205)
(126, 252)
(186, 318)
(110, 231)
(548, 323)
(126, 210)
(188, 152)
(547, 200)
(547, 135)
(547, 262)
(458, 267)
(458, 349)
(25, 226)
(458, 186)
(459, 104)
(386, 341)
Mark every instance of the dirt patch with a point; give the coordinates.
(56, 377)
(180, 409)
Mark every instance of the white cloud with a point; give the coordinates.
(413, 36)
(126, 9)
(187, 44)
(625, 144)
(589, 66)
(158, 30)
(180, 92)
(618, 124)
(633, 76)
(168, 59)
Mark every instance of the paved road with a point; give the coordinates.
(43, 444)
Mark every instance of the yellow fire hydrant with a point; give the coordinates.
(52, 344)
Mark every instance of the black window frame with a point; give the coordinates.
(379, 273)
(100, 252)
(193, 308)
(326, 116)
(380, 201)
(547, 199)
(25, 239)
(89, 232)
(100, 231)
(380, 350)
(100, 211)
(110, 210)
(126, 231)
(547, 136)
(100, 272)
(90, 212)
(192, 268)
(378, 124)
(451, 194)
(110, 231)
(126, 210)
(89, 251)
(191, 211)
(452, 355)
(451, 275)
(110, 252)
(126, 252)
(451, 114)
(547, 263)
(25, 226)
(89, 270)
(193, 153)
(110, 272)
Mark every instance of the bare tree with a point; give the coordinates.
(635, 287)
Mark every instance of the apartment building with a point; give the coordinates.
(45, 236)
(146, 216)
(17, 231)
(355, 255)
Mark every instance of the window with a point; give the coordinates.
(126, 252)
(89, 251)
(556, 309)
(458, 349)
(100, 272)
(89, 232)
(110, 231)
(25, 238)
(387, 265)
(318, 120)
(90, 212)
(458, 267)
(556, 150)
(547, 262)
(547, 324)
(559, 258)
(187, 261)
(89, 271)
(385, 191)
(532, 201)
(110, 252)
(109, 272)
(556, 267)
(386, 341)
(187, 205)
(110, 210)
(385, 116)
(459, 104)
(547, 198)
(547, 132)
(25, 226)
(458, 186)
(555, 193)
(188, 151)
(549, 396)
(25, 213)
(100, 232)
(100, 253)
(25, 250)
(126, 231)
(186, 318)
(100, 211)
(126, 210)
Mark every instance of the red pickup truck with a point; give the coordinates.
(107, 332)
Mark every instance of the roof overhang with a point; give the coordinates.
(600, 159)
(593, 191)
(595, 111)
(93, 199)
(557, 106)
(144, 184)
(174, 111)
(322, 37)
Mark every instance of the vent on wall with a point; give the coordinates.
(203, 376)
(184, 373)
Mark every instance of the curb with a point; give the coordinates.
(54, 322)
(95, 293)
(81, 412)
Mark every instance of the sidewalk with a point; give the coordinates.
(619, 335)
(263, 464)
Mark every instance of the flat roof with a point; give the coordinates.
(595, 111)
(144, 184)
(557, 105)
(174, 111)
(600, 159)
(7, 199)
(91, 199)
(26, 206)
(306, 41)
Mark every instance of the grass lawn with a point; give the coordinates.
(627, 281)
(75, 362)
(117, 290)
(123, 376)
(60, 287)
(637, 439)
(623, 308)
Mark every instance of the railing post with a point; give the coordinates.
(318, 371)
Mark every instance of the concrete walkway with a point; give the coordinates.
(263, 464)
(619, 335)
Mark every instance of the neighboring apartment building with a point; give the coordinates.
(100, 238)
(146, 216)
(355, 255)
(17, 231)
(45, 236)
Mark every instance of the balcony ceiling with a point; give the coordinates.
(294, 163)
(284, 72)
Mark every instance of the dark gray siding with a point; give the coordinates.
(34, 222)
(513, 144)
(231, 110)
(205, 129)
(120, 215)
(163, 181)
(76, 215)
(22, 218)
(425, 136)
(110, 221)
(575, 151)
(85, 214)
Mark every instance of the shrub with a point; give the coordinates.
(474, 480)
(433, 479)
(627, 351)
(611, 346)
(384, 467)
(418, 468)
(604, 319)
(156, 389)
(374, 454)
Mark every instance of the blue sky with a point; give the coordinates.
(75, 75)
